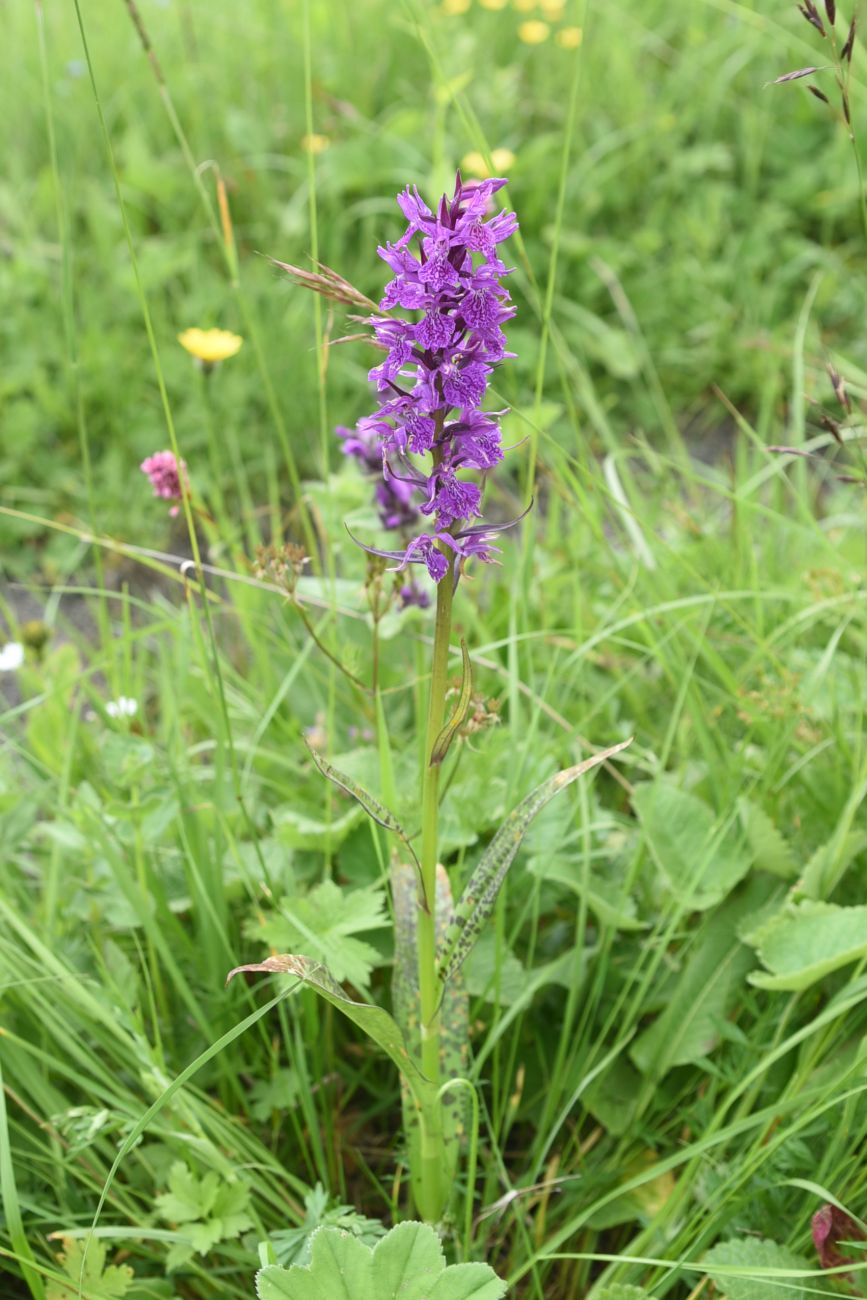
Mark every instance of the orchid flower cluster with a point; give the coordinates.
(435, 376)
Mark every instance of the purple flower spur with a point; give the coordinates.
(430, 430)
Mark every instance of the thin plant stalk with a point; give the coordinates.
(432, 1151)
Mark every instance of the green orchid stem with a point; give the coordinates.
(431, 1179)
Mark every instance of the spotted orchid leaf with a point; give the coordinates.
(453, 1011)
(480, 893)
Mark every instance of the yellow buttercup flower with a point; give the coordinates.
(474, 163)
(534, 32)
(553, 9)
(493, 4)
(314, 143)
(524, 6)
(210, 346)
(455, 6)
(569, 37)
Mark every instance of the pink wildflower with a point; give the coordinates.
(162, 470)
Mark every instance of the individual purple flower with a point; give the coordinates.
(436, 372)
(165, 476)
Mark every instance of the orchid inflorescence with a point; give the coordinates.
(435, 376)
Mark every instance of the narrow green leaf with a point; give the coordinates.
(477, 901)
(375, 1021)
(450, 730)
(374, 809)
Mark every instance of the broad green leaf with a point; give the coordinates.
(454, 1010)
(300, 829)
(374, 809)
(605, 897)
(480, 894)
(325, 923)
(754, 1269)
(710, 979)
(770, 851)
(699, 861)
(493, 972)
(376, 1023)
(612, 1096)
(449, 731)
(96, 1281)
(407, 1264)
(806, 941)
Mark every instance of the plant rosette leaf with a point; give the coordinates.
(407, 1264)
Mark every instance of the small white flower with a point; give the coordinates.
(122, 707)
(11, 657)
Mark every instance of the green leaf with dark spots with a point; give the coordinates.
(374, 809)
(480, 894)
(454, 1008)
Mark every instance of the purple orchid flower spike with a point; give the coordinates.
(429, 428)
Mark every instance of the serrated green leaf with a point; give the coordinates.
(699, 860)
(450, 730)
(770, 850)
(749, 1268)
(407, 1264)
(84, 1263)
(806, 941)
(480, 894)
(325, 923)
